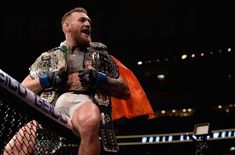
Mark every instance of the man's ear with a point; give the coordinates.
(65, 26)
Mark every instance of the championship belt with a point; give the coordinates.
(107, 132)
(50, 61)
(103, 62)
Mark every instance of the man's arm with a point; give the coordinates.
(117, 88)
(32, 84)
(45, 80)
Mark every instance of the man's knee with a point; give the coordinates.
(87, 123)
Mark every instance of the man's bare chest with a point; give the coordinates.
(75, 61)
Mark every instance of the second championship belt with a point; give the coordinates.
(103, 62)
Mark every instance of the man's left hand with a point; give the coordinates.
(91, 78)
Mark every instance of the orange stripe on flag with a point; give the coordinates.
(138, 103)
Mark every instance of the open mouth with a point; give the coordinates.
(86, 31)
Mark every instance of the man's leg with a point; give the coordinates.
(86, 121)
(23, 142)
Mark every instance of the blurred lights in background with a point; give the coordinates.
(185, 56)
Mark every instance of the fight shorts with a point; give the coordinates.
(68, 102)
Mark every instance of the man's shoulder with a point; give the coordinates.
(50, 60)
(53, 51)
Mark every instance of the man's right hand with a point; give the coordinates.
(50, 79)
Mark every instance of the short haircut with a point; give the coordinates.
(77, 9)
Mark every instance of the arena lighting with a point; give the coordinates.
(202, 132)
(139, 63)
(184, 56)
(161, 76)
(201, 129)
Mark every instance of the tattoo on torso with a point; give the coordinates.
(75, 61)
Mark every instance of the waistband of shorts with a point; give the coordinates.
(80, 92)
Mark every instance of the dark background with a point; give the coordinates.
(155, 32)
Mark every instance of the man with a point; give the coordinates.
(82, 80)
(76, 100)
(88, 75)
